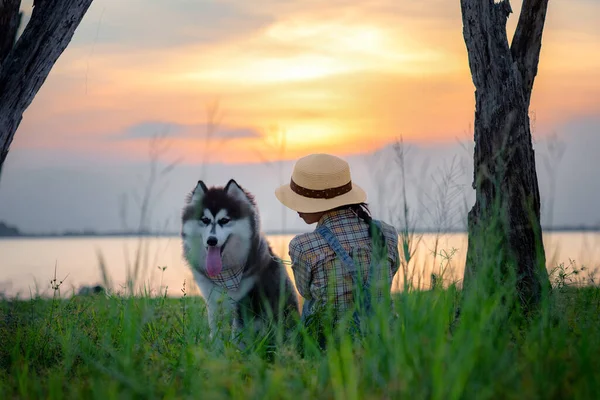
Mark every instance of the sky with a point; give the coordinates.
(240, 89)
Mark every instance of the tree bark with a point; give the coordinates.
(504, 224)
(25, 65)
(10, 19)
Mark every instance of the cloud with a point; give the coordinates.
(144, 24)
(152, 129)
(336, 75)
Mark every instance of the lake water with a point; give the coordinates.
(28, 265)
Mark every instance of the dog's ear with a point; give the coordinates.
(198, 193)
(234, 190)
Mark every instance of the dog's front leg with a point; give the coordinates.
(212, 298)
(211, 308)
(236, 328)
(216, 309)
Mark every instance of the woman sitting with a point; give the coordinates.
(348, 262)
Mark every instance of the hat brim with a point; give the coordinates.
(299, 203)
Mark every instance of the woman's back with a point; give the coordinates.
(321, 275)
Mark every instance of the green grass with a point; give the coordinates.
(140, 347)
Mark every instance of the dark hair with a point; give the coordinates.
(363, 212)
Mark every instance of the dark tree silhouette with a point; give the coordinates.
(25, 63)
(504, 223)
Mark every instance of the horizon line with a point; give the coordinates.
(272, 232)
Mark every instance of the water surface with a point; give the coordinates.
(28, 265)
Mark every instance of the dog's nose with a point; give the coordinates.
(212, 241)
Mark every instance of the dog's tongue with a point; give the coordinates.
(213, 261)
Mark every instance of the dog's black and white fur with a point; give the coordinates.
(227, 217)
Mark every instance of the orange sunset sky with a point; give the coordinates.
(334, 76)
(345, 77)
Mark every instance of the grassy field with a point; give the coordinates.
(140, 347)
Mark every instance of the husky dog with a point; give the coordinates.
(231, 259)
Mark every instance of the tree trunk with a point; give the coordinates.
(504, 224)
(25, 65)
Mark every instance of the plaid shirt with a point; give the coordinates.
(230, 278)
(314, 261)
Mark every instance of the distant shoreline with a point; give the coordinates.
(66, 235)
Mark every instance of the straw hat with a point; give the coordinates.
(320, 182)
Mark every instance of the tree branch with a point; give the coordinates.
(484, 31)
(10, 19)
(527, 41)
(27, 65)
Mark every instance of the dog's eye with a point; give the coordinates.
(205, 220)
(223, 221)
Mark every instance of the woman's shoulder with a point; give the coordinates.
(303, 242)
(389, 231)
